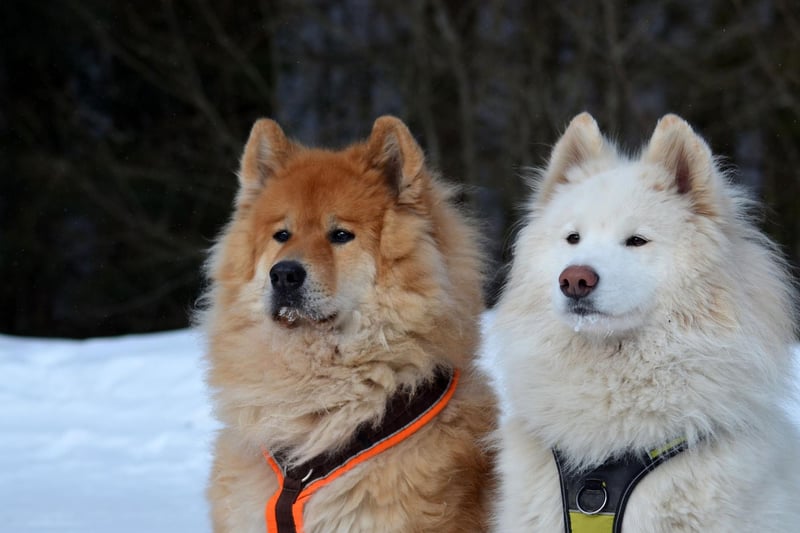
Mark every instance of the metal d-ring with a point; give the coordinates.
(596, 484)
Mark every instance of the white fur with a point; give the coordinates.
(691, 338)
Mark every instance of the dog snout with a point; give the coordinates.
(578, 281)
(287, 276)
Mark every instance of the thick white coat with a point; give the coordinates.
(689, 336)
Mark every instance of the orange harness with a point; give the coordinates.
(405, 415)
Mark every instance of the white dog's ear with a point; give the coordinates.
(580, 143)
(266, 150)
(392, 150)
(687, 158)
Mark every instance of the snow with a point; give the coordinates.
(104, 435)
(110, 434)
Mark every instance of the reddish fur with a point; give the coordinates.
(312, 384)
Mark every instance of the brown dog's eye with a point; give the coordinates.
(340, 236)
(282, 235)
(574, 238)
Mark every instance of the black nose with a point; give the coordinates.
(287, 275)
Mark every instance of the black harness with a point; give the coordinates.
(594, 500)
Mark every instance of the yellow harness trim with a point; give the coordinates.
(671, 445)
(598, 523)
(594, 500)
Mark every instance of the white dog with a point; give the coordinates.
(644, 345)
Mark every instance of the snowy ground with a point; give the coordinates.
(103, 435)
(108, 435)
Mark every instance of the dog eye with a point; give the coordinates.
(636, 241)
(340, 236)
(574, 238)
(282, 235)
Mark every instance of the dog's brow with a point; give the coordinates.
(337, 220)
(277, 219)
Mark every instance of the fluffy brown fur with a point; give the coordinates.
(380, 311)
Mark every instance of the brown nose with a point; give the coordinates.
(578, 281)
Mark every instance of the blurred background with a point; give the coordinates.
(122, 122)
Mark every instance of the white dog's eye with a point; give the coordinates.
(636, 241)
(574, 238)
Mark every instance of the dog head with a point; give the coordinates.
(315, 217)
(324, 239)
(611, 234)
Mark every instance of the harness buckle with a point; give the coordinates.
(594, 496)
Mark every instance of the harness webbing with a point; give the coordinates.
(405, 414)
(594, 500)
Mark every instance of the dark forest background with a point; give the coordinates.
(122, 122)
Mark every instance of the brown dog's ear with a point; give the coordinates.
(392, 150)
(266, 150)
(687, 158)
(581, 142)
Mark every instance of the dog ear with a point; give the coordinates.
(581, 142)
(392, 150)
(266, 150)
(687, 158)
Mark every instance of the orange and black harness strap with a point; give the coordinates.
(406, 413)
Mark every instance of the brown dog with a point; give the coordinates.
(344, 301)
